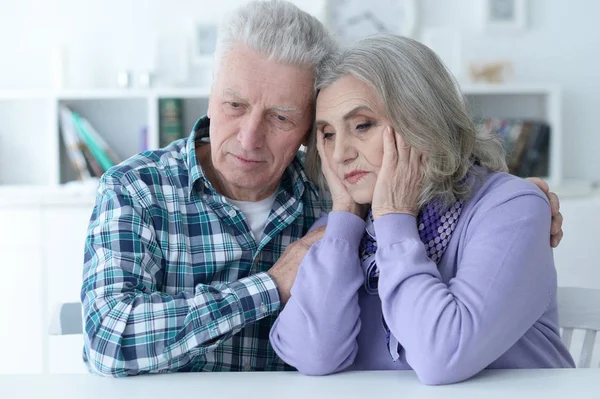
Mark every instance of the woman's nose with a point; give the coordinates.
(344, 150)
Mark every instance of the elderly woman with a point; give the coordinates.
(434, 258)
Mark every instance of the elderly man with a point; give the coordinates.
(186, 265)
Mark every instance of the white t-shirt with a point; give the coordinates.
(256, 213)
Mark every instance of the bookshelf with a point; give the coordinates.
(32, 151)
(30, 137)
(527, 102)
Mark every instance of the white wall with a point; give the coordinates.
(561, 45)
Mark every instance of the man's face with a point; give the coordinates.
(260, 112)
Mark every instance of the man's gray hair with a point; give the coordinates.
(280, 31)
(424, 105)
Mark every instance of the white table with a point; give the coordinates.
(492, 384)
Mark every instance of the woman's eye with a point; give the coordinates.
(364, 126)
(327, 136)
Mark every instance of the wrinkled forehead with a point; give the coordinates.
(255, 77)
(346, 94)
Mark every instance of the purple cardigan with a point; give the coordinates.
(490, 303)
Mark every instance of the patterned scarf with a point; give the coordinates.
(436, 225)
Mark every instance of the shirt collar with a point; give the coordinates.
(200, 133)
(294, 180)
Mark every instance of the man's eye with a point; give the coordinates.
(234, 104)
(280, 118)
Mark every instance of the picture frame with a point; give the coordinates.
(204, 42)
(505, 16)
(350, 20)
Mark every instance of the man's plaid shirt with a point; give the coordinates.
(173, 279)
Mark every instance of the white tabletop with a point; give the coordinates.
(492, 384)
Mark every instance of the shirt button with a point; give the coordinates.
(263, 308)
(231, 213)
(247, 367)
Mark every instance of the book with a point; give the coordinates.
(144, 139)
(538, 144)
(526, 143)
(519, 149)
(171, 120)
(73, 143)
(82, 127)
(100, 142)
(92, 164)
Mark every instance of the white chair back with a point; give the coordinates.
(579, 309)
(66, 319)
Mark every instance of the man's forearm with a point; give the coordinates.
(130, 332)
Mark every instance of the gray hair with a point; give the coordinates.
(278, 29)
(424, 105)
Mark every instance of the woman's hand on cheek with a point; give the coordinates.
(398, 184)
(342, 200)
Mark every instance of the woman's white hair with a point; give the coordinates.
(424, 105)
(280, 31)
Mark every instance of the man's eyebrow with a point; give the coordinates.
(235, 94)
(280, 108)
(283, 108)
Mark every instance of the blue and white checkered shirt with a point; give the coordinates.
(173, 279)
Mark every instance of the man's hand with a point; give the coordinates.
(556, 233)
(285, 270)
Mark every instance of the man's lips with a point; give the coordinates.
(246, 160)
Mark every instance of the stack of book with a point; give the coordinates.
(527, 144)
(87, 151)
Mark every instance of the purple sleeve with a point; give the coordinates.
(503, 284)
(321, 221)
(316, 331)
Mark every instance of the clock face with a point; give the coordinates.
(350, 20)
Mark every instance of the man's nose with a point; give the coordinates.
(252, 133)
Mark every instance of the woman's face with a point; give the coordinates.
(351, 119)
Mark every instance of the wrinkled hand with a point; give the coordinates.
(398, 185)
(285, 270)
(341, 198)
(556, 233)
